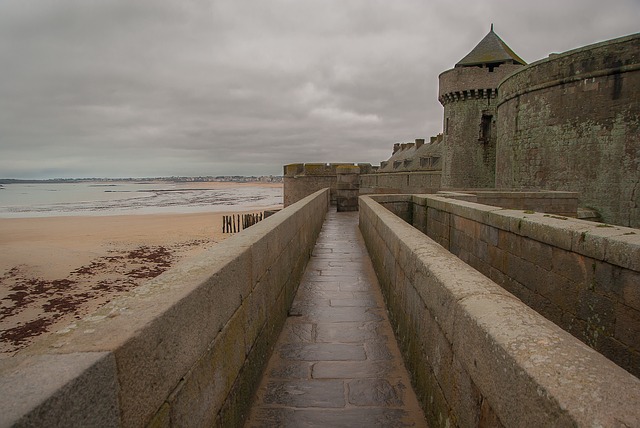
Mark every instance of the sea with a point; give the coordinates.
(125, 198)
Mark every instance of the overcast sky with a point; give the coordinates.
(135, 88)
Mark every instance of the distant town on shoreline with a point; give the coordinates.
(202, 179)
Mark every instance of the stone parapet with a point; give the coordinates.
(185, 349)
(303, 179)
(478, 355)
(550, 202)
(347, 187)
(581, 275)
(400, 182)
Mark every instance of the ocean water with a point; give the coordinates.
(116, 198)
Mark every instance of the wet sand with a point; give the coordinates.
(54, 270)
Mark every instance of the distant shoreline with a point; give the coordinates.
(101, 198)
(199, 179)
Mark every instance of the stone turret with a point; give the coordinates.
(468, 93)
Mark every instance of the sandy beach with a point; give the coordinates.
(54, 270)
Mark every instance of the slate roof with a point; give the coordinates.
(490, 50)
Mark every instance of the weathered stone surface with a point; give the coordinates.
(322, 351)
(337, 353)
(565, 120)
(358, 332)
(469, 344)
(79, 389)
(305, 393)
(375, 392)
(571, 271)
(352, 369)
(338, 418)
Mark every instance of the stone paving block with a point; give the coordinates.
(335, 418)
(322, 351)
(378, 351)
(352, 369)
(376, 392)
(306, 393)
(287, 369)
(340, 314)
(347, 332)
(363, 302)
(295, 332)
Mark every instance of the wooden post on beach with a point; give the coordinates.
(238, 222)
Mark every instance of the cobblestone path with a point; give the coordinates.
(336, 363)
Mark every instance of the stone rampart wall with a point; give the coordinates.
(303, 179)
(477, 354)
(559, 203)
(583, 276)
(400, 182)
(572, 122)
(185, 349)
(300, 180)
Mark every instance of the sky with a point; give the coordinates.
(149, 88)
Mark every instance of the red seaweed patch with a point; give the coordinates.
(72, 297)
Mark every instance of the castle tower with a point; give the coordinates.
(468, 93)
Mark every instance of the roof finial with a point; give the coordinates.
(492, 26)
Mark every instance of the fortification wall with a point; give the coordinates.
(572, 122)
(468, 95)
(468, 161)
(581, 275)
(400, 182)
(303, 179)
(559, 203)
(477, 354)
(185, 349)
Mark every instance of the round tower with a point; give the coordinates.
(468, 93)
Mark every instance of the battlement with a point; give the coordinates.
(303, 179)
(459, 84)
(321, 169)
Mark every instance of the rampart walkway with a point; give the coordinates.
(336, 362)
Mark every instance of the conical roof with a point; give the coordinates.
(490, 50)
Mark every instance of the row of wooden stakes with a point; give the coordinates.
(237, 222)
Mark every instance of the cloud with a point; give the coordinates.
(157, 87)
(334, 114)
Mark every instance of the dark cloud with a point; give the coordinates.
(159, 87)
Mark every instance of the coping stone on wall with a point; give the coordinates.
(502, 331)
(616, 244)
(80, 389)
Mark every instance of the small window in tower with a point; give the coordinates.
(485, 128)
(446, 126)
